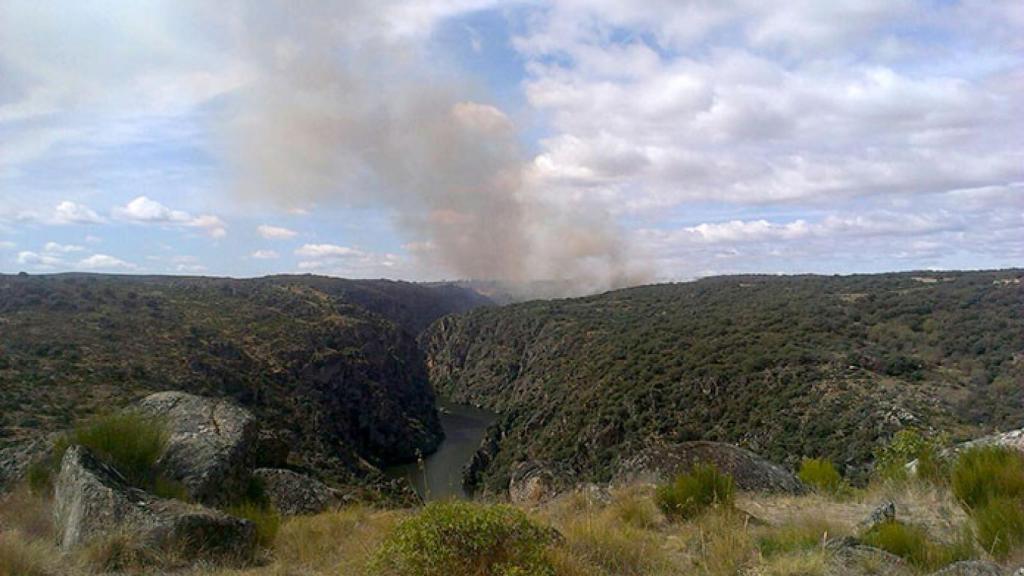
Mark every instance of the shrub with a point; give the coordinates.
(796, 537)
(129, 442)
(905, 447)
(266, 519)
(821, 475)
(988, 473)
(694, 492)
(463, 538)
(912, 543)
(1000, 526)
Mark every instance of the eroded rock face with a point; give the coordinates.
(92, 501)
(749, 471)
(292, 493)
(213, 444)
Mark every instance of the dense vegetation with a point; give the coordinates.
(790, 367)
(330, 365)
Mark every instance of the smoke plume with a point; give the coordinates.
(345, 109)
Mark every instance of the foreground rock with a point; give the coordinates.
(293, 494)
(848, 557)
(93, 502)
(535, 482)
(750, 472)
(213, 444)
(16, 459)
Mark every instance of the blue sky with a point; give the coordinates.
(598, 141)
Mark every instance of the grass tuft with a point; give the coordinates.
(1000, 525)
(988, 473)
(821, 475)
(693, 492)
(20, 556)
(266, 519)
(913, 544)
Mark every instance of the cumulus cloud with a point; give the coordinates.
(53, 247)
(275, 232)
(68, 212)
(265, 255)
(327, 251)
(42, 261)
(144, 210)
(104, 262)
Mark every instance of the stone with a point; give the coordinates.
(16, 459)
(93, 501)
(212, 447)
(535, 482)
(294, 494)
(750, 472)
(884, 512)
(970, 568)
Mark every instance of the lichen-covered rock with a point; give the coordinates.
(292, 493)
(212, 447)
(16, 459)
(885, 512)
(750, 472)
(848, 557)
(92, 501)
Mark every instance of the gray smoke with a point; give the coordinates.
(341, 110)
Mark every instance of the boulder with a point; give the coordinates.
(93, 501)
(848, 557)
(213, 444)
(752, 473)
(292, 493)
(16, 459)
(970, 568)
(536, 482)
(273, 450)
(885, 512)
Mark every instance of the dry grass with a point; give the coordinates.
(23, 556)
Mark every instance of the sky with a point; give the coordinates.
(609, 142)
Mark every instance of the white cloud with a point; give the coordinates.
(275, 232)
(7, 245)
(327, 251)
(42, 261)
(103, 262)
(55, 248)
(147, 211)
(68, 212)
(265, 255)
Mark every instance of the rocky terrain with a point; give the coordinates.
(789, 367)
(330, 367)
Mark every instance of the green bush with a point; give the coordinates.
(988, 473)
(821, 475)
(130, 443)
(694, 492)
(913, 544)
(1000, 526)
(795, 537)
(465, 539)
(907, 446)
(266, 519)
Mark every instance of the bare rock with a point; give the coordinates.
(885, 512)
(16, 459)
(849, 557)
(750, 472)
(213, 444)
(293, 494)
(92, 500)
(970, 568)
(536, 482)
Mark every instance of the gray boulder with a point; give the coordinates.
(93, 501)
(535, 482)
(16, 458)
(213, 444)
(752, 473)
(885, 512)
(293, 494)
(970, 568)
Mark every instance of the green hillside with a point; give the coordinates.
(786, 366)
(331, 365)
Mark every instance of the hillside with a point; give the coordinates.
(786, 366)
(332, 366)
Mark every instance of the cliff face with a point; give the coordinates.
(332, 366)
(785, 366)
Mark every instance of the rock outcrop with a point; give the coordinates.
(93, 501)
(749, 471)
(884, 512)
(212, 446)
(16, 459)
(535, 482)
(292, 493)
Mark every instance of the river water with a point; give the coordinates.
(440, 475)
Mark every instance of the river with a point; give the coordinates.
(440, 476)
